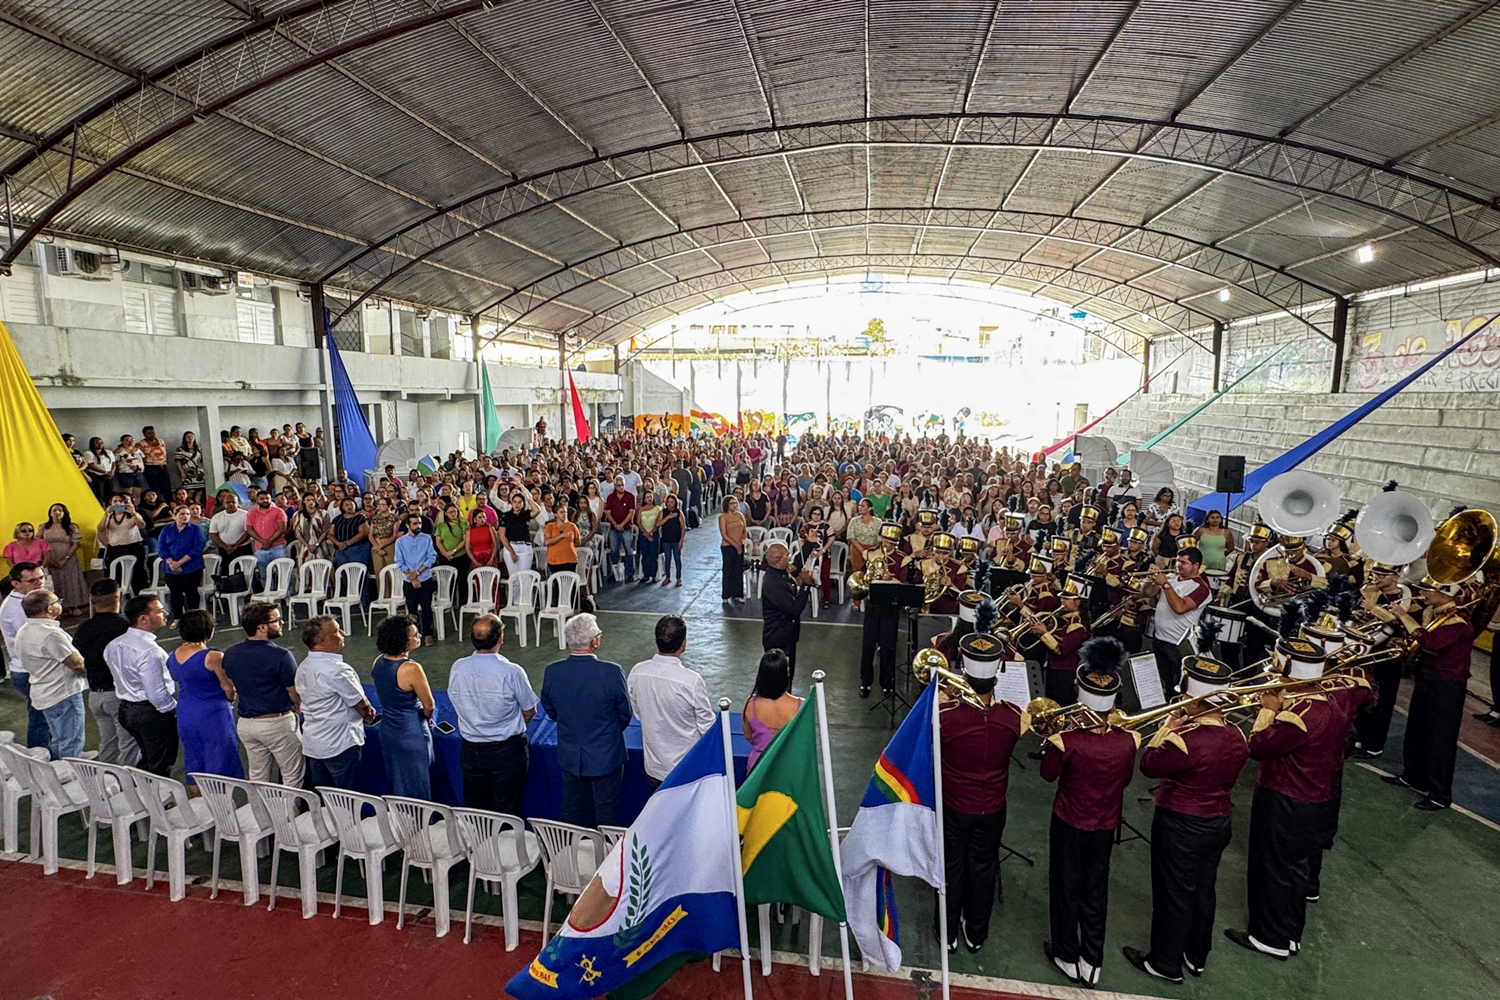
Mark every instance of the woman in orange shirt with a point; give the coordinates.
(561, 536)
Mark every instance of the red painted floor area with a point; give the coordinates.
(74, 939)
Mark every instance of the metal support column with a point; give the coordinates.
(325, 382)
(563, 399)
(617, 359)
(1218, 354)
(1340, 338)
(1145, 362)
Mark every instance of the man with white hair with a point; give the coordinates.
(588, 699)
(783, 599)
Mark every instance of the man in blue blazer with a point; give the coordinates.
(587, 698)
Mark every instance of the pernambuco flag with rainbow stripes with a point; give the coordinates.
(895, 832)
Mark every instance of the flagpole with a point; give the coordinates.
(937, 784)
(734, 832)
(833, 824)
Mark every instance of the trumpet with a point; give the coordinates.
(930, 665)
(1047, 618)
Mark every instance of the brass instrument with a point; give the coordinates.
(1462, 546)
(877, 569)
(1028, 618)
(930, 665)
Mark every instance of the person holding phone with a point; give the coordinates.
(121, 533)
(407, 705)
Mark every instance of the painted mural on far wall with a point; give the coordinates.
(1381, 358)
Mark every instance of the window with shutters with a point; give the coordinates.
(411, 334)
(438, 337)
(151, 310)
(18, 298)
(257, 322)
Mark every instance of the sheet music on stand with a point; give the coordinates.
(1147, 681)
(1011, 683)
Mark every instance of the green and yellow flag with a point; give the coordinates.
(784, 849)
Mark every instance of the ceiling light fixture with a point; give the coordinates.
(1365, 254)
(1225, 295)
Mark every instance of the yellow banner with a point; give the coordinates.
(671, 921)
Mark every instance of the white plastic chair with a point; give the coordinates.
(174, 817)
(562, 594)
(588, 569)
(113, 802)
(54, 793)
(122, 571)
(520, 601)
(612, 835)
(755, 546)
(782, 535)
(157, 589)
(14, 786)
(390, 599)
(312, 588)
(247, 825)
(235, 599)
(484, 588)
(838, 566)
(300, 827)
(502, 850)
(211, 563)
(442, 599)
(434, 847)
(367, 839)
(349, 593)
(279, 576)
(570, 856)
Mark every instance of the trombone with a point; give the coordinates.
(930, 665)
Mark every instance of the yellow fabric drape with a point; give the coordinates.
(36, 470)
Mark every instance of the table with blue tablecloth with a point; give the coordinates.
(543, 775)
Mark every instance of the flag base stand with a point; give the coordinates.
(1135, 833)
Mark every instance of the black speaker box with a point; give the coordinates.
(1231, 477)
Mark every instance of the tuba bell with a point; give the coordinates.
(1394, 528)
(1462, 546)
(1299, 503)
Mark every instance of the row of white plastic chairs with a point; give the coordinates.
(499, 848)
(287, 584)
(758, 539)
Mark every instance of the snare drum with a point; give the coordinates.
(1217, 579)
(1231, 622)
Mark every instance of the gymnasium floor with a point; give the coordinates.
(1410, 899)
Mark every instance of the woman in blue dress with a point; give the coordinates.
(205, 702)
(406, 707)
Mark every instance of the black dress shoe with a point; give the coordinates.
(1137, 958)
(1400, 782)
(864, 690)
(1487, 716)
(1193, 970)
(1072, 976)
(1244, 940)
(969, 945)
(1429, 805)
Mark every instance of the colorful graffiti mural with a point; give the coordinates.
(1381, 358)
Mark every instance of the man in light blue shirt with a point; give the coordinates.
(415, 557)
(334, 707)
(494, 703)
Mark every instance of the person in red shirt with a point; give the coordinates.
(977, 741)
(1430, 751)
(1299, 742)
(1091, 768)
(1196, 762)
(619, 511)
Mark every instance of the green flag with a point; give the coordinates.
(784, 849)
(491, 429)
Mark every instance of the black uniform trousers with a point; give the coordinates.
(1327, 831)
(1185, 853)
(787, 643)
(1373, 723)
(1255, 644)
(1431, 746)
(880, 628)
(494, 774)
(1284, 835)
(154, 732)
(971, 856)
(1168, 664)
(1078, 890)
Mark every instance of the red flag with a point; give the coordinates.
(580, 422)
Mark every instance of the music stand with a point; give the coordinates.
(892, 595)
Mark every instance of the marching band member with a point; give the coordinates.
(1288, 569)
(1084, 536)
(1060, 552)
(1063, 645)
(1137, 559)
(1013, 551)
(1236, 594)
(1091, 768)
(1197, 763)
(915, 543)
(1179, 603)
(940, 564)
(882, 620)
(1444, 638)
(1337, 554)
(977, 743)
(1347, 702)
(1299, 743)
(1381, 599)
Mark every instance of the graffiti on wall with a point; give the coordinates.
(1381, 358)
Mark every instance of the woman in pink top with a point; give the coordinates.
(27, 547)
(770, 706)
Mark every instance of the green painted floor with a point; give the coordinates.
(1411, 900)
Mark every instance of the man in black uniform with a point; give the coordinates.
(783, 598)
(882, 620)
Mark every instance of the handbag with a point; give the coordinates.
(232, 583)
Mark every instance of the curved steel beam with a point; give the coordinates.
(1175, 316)
(178, 114)
(1279, 289)
(1272, 160)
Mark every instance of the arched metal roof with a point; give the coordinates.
(599, 165)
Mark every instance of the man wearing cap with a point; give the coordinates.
(1381, 599)
(1091, 768)
(977, 741)
(1084, 536)
(1302, 572)
(1063, 644)
(1299, 744)
(1179, 603)
(1196, 762)
(882, 619)
(1012, 550)
(940, 565)
(1444, 638)
(914, 545)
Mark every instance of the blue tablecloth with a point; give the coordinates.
(543, 775)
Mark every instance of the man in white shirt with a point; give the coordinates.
(494, 702)
(148, 707)
(228, 529)
(633, 482)
(670, 700)
(57, 675)
(25, 577)
(1179, 604)
(334, 707)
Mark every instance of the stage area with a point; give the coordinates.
(1410, 899)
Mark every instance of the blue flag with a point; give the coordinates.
(356, 443)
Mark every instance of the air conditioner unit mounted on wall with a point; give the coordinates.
(77, 263)
(206, 283)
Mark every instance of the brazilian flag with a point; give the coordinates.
(784, 850)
